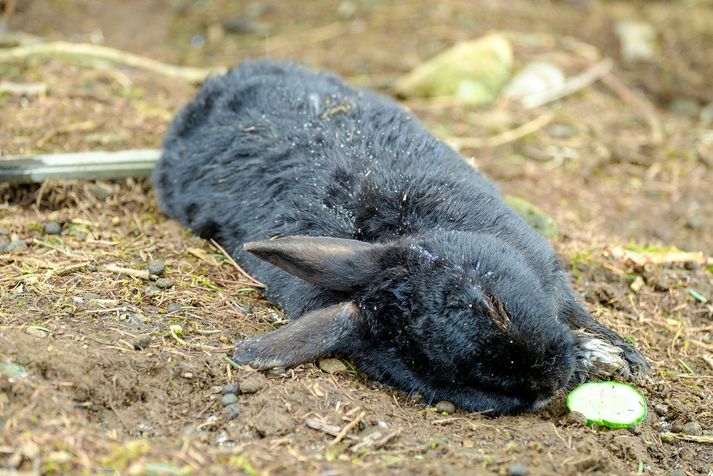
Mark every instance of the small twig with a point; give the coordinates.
(136, 273)
(254, 281)
(75, 127)
(374, 441)
(61, 271)
(85, 50)
(231, 362)
(321, 425)
(312, 36)
(638, 102)
(503, 138)
(680, 436)
(347, 428)
(570, 86)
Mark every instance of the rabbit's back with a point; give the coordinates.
(273, 149)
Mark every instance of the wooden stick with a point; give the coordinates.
(136, 273)
(638, 102)
(254, 282)
(503, 138)
(570, 86)
(347, 428)
(103, 53)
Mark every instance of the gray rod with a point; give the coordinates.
(80, 165)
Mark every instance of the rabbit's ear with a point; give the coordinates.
(313, 335)
(333, 263)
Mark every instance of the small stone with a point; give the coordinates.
(142, 342)
(164, 283)
(517, 469)
(272, 421)
(576, 418)
(677, 472)
(704, 150)
(231, 412)
(685, 107)
(251, 384)
(692, 428)
(12, 371)
(230, 388)
(277, 372)
(706, 115)
(37, 332)
(332, 366)
(15, 245)
(561, 131)
(173, 307)
(157, 267)
(444, 406)
(661, 409)
(637, 284)
(52, 228)
(242, 25)
(229, 399)
(638, 41)
(100, 191)
(151, 290)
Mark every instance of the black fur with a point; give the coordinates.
(459, 300)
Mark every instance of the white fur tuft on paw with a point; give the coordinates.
(601, 357)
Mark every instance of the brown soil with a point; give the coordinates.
(90, 402)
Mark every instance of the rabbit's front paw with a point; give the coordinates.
(601, 356)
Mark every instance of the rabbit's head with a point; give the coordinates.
(451, 316)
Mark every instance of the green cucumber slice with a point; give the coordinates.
(610, 404)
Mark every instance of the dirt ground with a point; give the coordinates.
(103, 372)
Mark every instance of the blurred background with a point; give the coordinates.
(630, 158)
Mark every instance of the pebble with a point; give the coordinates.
(36, 332)
(230, 388)
(576, 418)
(52, 228)
(517, 469)
(164, 283)
(660, 408)
(277, 372)
(692, 428)
(14, 245)
(444, 406)
(251, 385)
(142, 342)
(272, 422)
(332, 366)
(229, 399)
(173, 307)
(231, 412)
(637, 284)
(685, 107)
(157, 267)
(151, 289)
(677, 472)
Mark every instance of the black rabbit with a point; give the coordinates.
(379, 242)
